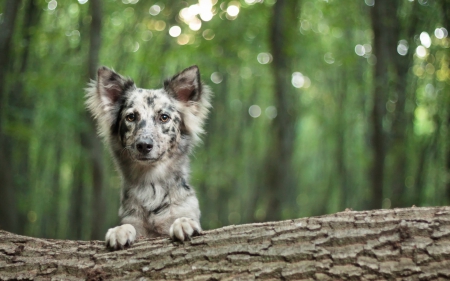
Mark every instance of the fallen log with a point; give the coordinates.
(410, 244)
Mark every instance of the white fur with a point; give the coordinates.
(119, 236)
(183, 228)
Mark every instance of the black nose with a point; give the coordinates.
(144, 146)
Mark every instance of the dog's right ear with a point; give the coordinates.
(111, 85)
(103, 96)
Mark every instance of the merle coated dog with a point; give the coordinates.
(150, 133)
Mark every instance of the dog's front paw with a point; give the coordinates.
(184, 228)
(121, 236)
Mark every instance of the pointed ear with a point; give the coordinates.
(111, 85)
(186, 85)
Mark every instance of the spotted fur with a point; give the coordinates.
(151, 133)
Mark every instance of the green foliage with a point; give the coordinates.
(331, 106)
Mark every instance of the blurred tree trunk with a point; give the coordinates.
(446, 16)
(77, 199)
(281, 188)
(383, 17)
(400, 244)
(401, 119)
(90, 140)
(92, 152)
(340, 129)
(23, 105)
(8, 210)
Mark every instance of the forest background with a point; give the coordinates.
(319, 106)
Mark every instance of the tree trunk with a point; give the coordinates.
(446, 13)
(23, 108)
(95, 145)
(8, 211)
(402, 120)
(383, 16)
(278, 164)
(408, 244)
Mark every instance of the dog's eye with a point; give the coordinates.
(131, 117)
(164, 118)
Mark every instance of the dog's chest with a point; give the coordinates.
(150, 197)
(157, 198)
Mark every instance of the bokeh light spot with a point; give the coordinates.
(183, 39)
(264, 58)
(208, 34)
(195, 24)
(216, 77)
(175, 31)
(300, 81)
(147, 35)
(440, 33)
(52, 5)
(254, 111)
(328, 58)
(372, 60)
(402, 47)
(421, 51)
(154, 10)
(425, 39)
(32, 216)
(160, 25)
(271, 112)
(135, 47)
(359, 50)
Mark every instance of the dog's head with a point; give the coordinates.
(147, 125)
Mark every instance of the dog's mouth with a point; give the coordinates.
(143, 158)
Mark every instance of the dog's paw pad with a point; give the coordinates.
(184, 228)
(120, 237)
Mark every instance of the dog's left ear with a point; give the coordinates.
(186, 85)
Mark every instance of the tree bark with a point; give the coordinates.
(406, 244)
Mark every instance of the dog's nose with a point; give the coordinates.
(144, 146)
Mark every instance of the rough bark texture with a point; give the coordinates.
(396, 244)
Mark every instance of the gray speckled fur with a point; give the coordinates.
(155, 192)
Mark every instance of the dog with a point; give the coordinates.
(150, 134)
